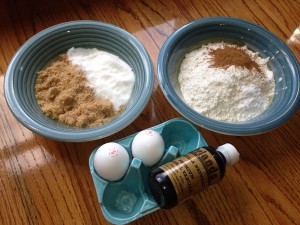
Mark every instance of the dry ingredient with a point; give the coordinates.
(109, 76)
(65, 93)
(232, 56)
(226, 82)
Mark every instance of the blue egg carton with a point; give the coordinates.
(129, 198)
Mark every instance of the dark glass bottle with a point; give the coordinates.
(176, 181)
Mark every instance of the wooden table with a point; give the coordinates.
(43, 181)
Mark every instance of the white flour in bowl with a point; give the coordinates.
(230, 94)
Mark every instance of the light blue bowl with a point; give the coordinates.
(40, 49)
(282, 62)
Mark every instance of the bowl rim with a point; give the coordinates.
(80, 134)
(211, 124)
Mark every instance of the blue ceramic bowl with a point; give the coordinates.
(282, 62)
(40, 49)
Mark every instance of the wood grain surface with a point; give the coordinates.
(43, 181)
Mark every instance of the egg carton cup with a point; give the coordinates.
(130, 198)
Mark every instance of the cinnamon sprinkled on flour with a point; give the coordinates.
(226, 82)
(232, 56)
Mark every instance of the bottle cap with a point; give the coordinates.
(230, 153)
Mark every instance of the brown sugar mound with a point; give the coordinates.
(230, 55)
(63, 93)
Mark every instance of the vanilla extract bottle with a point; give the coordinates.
(174, 182)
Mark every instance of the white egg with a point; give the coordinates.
(148, 146)
(111, 161)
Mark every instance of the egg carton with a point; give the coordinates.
(130, 198)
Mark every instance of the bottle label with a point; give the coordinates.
(192, 173)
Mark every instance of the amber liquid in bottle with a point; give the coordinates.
(176, 181)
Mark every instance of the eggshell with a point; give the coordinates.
(111, 161)
(148, 146)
